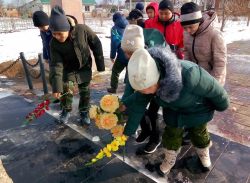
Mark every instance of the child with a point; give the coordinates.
(71, 62)
(135, 37)
(41, 20)
(116, 54)
(203, 43)
(139, 6)
(136, 17)
(188, 94)
(168, 23)
(152, 10)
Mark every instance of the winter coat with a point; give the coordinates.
(46, 37)
(116, 37)
(207, 48)
(153, 37)
(172, 31)
(188, 94)
(82, 38)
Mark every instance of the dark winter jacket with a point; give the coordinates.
(188, 94)
(116, 37)
(82, 38)
(153, 37)
(46, 37)
(172, 31)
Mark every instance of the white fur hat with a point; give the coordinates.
(142, 70)
(133, 38)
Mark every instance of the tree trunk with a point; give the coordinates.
(223, 16)
(248, 19)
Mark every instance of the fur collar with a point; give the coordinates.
(170, 69)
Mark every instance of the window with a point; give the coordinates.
(87, 8)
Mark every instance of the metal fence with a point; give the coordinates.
(15, 24)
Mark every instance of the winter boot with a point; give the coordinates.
(168, 162)
(142, 137)
(84, 118)
(111, 90)
(64, 116)
(204, 156)
(152, 145)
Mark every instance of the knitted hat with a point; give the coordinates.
(116, 16)
(58, 20)
(142, 70)
(40, 18)
(133, 38)
(190, 14)
(135, 14)
(166, 4)
(139, 6)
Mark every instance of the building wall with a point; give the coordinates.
(46, 8)
(88, 13)
(91, 8)
(71, 7)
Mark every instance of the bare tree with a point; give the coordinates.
(233, 8)
(108, 5)
(1, 8)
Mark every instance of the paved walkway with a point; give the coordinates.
(47, 152)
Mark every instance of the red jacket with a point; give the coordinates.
(172, 31)
(155, 6)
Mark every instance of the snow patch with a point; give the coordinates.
(5, 93)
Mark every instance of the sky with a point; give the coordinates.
(25, 1)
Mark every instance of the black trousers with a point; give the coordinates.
(150, 123)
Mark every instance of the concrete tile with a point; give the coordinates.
(189, 167)
(233, 165)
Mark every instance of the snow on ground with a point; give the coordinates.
(236, 31)
(29, 41)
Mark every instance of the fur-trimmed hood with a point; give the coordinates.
(170, 69)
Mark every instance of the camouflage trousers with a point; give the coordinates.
(67, 98)
(172, 137)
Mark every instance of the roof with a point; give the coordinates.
(45, 1)
(136, 1)
(84, 2)
(88, 2)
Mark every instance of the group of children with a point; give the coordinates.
(152, 51)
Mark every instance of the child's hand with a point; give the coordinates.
(112, 60)
(122, 108)
(56, 95)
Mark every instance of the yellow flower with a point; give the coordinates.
(109, 147)
(122, 143)
(124, 138)
(93, 112)
(109, 103)
(100, 155)
(119, 139)
(107, 152)
(117, 131)
(114, 145)
(108, 121)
